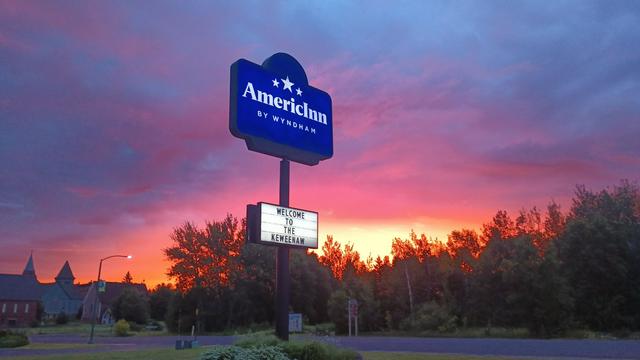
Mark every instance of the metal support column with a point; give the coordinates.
(283, 282)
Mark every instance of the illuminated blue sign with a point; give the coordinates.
(275, 110)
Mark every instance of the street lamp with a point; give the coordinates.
(95, 300)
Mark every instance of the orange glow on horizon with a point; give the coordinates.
(368, 237)
(148, 264)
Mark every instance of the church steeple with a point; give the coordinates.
(29, 269)
(65, 276)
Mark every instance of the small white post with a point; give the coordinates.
(356, 319)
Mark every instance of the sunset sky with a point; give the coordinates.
(114, 118)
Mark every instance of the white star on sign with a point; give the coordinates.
(275, 82)
(286, 84)
(299, 92)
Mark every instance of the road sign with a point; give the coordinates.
(102, 286)
(353, 307)
(271, 224)
(295, 323)
(278, 113)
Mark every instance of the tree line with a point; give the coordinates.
(548, 271)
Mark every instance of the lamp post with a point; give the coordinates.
(95, 300)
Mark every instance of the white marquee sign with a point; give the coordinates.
(280, 225)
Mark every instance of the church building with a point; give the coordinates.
(22, 296)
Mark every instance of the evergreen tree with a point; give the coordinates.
(127, 279)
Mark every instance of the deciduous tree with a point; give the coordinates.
(205, 257)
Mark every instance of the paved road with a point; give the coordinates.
(557, 349)
(588, 349)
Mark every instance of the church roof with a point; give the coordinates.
(72, 291)
(65, 273)
(19, 287)
(27, 287)
(29, 269)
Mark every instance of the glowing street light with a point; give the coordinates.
(95, 300)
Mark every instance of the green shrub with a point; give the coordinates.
(62, 318)
(430, 317)
(296, 349)
(121, 328)
(133, 326)
(325, 329)
(258, 340)
(240, 353)
(306, 351)
(578, 333)
(316, 351)
(10, 339)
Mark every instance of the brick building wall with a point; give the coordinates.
(18, 313)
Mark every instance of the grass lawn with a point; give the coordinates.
(70, 328)
(471, 332)
(80, 328)
(194, 354)
(156, 354)
(418, 356)
(56, 346)
(505, 333)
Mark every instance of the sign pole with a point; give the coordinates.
(282, 264)
(356, 319)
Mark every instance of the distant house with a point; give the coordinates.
(21, 294)
(106, 300)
